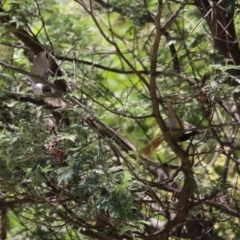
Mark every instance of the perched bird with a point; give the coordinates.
(42, 63)
(41, 66)
(178, 130)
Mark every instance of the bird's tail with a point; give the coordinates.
(41, 65)
(154, 145)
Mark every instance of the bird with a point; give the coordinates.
(180, 131)
(41, 66)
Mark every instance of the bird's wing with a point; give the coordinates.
(56, 102)
(173, 122)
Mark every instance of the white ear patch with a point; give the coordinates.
(38, 88)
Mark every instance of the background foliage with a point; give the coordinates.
(120, 60)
